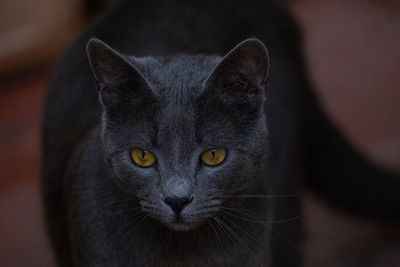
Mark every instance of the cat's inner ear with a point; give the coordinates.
(117, 78)
(242, 74)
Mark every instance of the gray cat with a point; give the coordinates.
(182, 157)
(184, 139)
(176, 159)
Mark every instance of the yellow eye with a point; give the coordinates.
(143, 158)
(213, 157)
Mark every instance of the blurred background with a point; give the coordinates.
(353, 51)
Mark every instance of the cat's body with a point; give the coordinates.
(82, 234)
(93, 222)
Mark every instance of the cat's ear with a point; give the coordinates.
(117, 79)
(242, 74)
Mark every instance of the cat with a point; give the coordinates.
(92, 217)
(185, 141)
(95, 198)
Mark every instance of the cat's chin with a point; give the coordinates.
(182, 226)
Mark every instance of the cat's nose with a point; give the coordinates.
(177, 203)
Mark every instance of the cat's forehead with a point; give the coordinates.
(177, 81)
(179, 75)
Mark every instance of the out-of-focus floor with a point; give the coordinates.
(352, 49)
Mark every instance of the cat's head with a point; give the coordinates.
(183, 133)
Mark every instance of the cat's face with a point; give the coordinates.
(183, 134)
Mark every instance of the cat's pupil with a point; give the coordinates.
(143, 153)
(213, 152)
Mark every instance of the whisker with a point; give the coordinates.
(261, 196)
(243, 211)
(263, 221)
(286, 239)
(240, 228)
(122, 211)
(227, 233)
(141, 220)
(109, 202)
(243, 218)
(241, 241)
(220, 242)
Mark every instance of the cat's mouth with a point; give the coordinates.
(183, 220)
(180, 225)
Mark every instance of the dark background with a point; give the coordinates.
(353, 52)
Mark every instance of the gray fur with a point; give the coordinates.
(171, 95)
(183, 116)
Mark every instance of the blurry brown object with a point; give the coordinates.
(36, 31)
(352, 50)
(22, 233)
